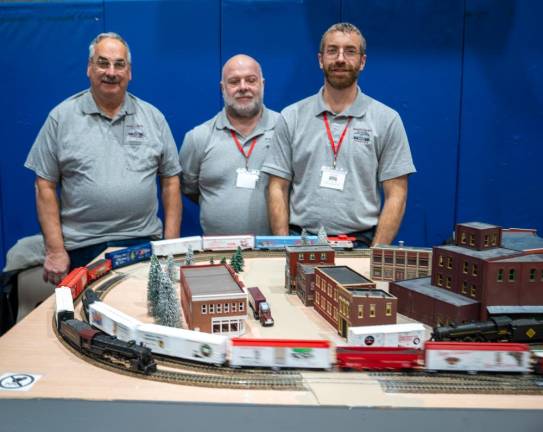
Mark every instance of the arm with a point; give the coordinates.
(395, 191)
(171, 201)
(278, 189)
(57, 261)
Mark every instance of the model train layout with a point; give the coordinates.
(127, 343)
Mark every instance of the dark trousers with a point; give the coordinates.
(82, 256)
(363, 238)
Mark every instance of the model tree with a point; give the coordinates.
(153, 285)
(167, 308)
(189, 256)
(211, 260)
(322, 236)
(171, 269)
(223, 260)
(305, 240)
(237, 261)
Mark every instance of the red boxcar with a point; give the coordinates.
(98, 269)
(76, 280)
(378, 358)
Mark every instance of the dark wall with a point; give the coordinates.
(465, 77)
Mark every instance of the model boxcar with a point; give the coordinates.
(186, 344)
(176, 246)
(98, 269)
(378, 358)
(341, 241)
(64, 305)
(280, 353)
(112, 321)
(391, 335)
(129, 255)
(280, 242)
(475, 356)
(76, 280)
(220, 243)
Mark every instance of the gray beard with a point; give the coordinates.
(247, 111)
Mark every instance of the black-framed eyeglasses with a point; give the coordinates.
(349, 52)
(104, 64)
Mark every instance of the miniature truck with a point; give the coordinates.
(259, 305)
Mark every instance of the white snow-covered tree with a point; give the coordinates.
(304, 239)
(189, 256)
(322, 236)
(172, 269)
(153, 285)
(168, 308)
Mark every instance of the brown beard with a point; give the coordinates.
(341, 82)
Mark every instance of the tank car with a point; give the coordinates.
(88, 340)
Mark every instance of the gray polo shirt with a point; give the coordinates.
(106, 168)
(375, 149)
(209, 159)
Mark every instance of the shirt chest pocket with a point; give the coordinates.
(140, 155)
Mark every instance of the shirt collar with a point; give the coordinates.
(265, 123)
(88, 105)
(357, 109)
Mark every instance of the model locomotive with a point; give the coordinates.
(496, 329)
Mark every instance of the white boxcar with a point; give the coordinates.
(217, 243)
(280, 353)
(176, 246)
(186, 344)
(475, 356)
(392, 335)
(112, 321)
(64, 304)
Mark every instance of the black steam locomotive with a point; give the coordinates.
(85, 338)
(496, 329)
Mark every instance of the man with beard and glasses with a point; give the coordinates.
(221, 158)
(335, 151)
(105, 148)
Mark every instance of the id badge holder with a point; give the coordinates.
(333, 178)
(246, 179)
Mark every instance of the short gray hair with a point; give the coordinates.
(109, 35)
(344, 27)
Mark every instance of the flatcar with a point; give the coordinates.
(129, 255)
(496, 329)
(176, 246)
(76, 280)
(127, 354)
(280, 242)
(280, 353)
(378, 358)
(98, 269)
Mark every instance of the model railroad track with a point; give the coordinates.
(217, 255)
(102, 289)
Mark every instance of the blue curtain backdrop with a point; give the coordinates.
(465, 77)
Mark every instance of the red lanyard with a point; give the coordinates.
(335, 148)
(240, 148)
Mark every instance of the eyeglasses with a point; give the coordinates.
(104, 64)
(349, 52)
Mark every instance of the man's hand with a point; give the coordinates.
(55, 266)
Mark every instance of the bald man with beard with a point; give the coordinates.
(334, 152)
(221, 158)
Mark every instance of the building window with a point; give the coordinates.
(360, 311)
(204, 309)
(494, 239)
(423, 261)
(216, 328)
(388, 310)
(500, 275)
(372, 310)
(335, 312)
(312, 257)
(234, 307)
(471, 240)
(465, 267)
(439, 279)
(225, 327)
(323, 256)
(300, 257)
(226, 308)
(486, 240)
(241, 307)
(389, 259)
(512, 275)
(411, 260)
(440, 260)
(463, 238)
(464, 287)
(400, 258)
(330, 290)
(473, 291)
(219, 308)
(211, 308)
(317, 297)
(532, 275)
(329, 308)
(376, 257)
(474, 270)
(233, 326)
(449, 262)
(448, 283)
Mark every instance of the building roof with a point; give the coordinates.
(307, 268)
(523, 258)
(424, 286)
(369, 292)
(478, 225)
(309, 248)
(488, 254)
(521, 240)
(206, 280)
(344, 275)
(514, 309)
(403, 247)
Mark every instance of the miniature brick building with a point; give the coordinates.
(213, 299)
(389, 263)
(305, 283)
(313, 254)
(345, 298)
(499, 271)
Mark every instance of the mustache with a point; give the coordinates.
(110, 80)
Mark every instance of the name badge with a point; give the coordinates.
(247, 179)
(333, 178)
(135, 133)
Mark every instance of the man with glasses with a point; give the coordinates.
(221, 158)
(333, 152)
(104, 147)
